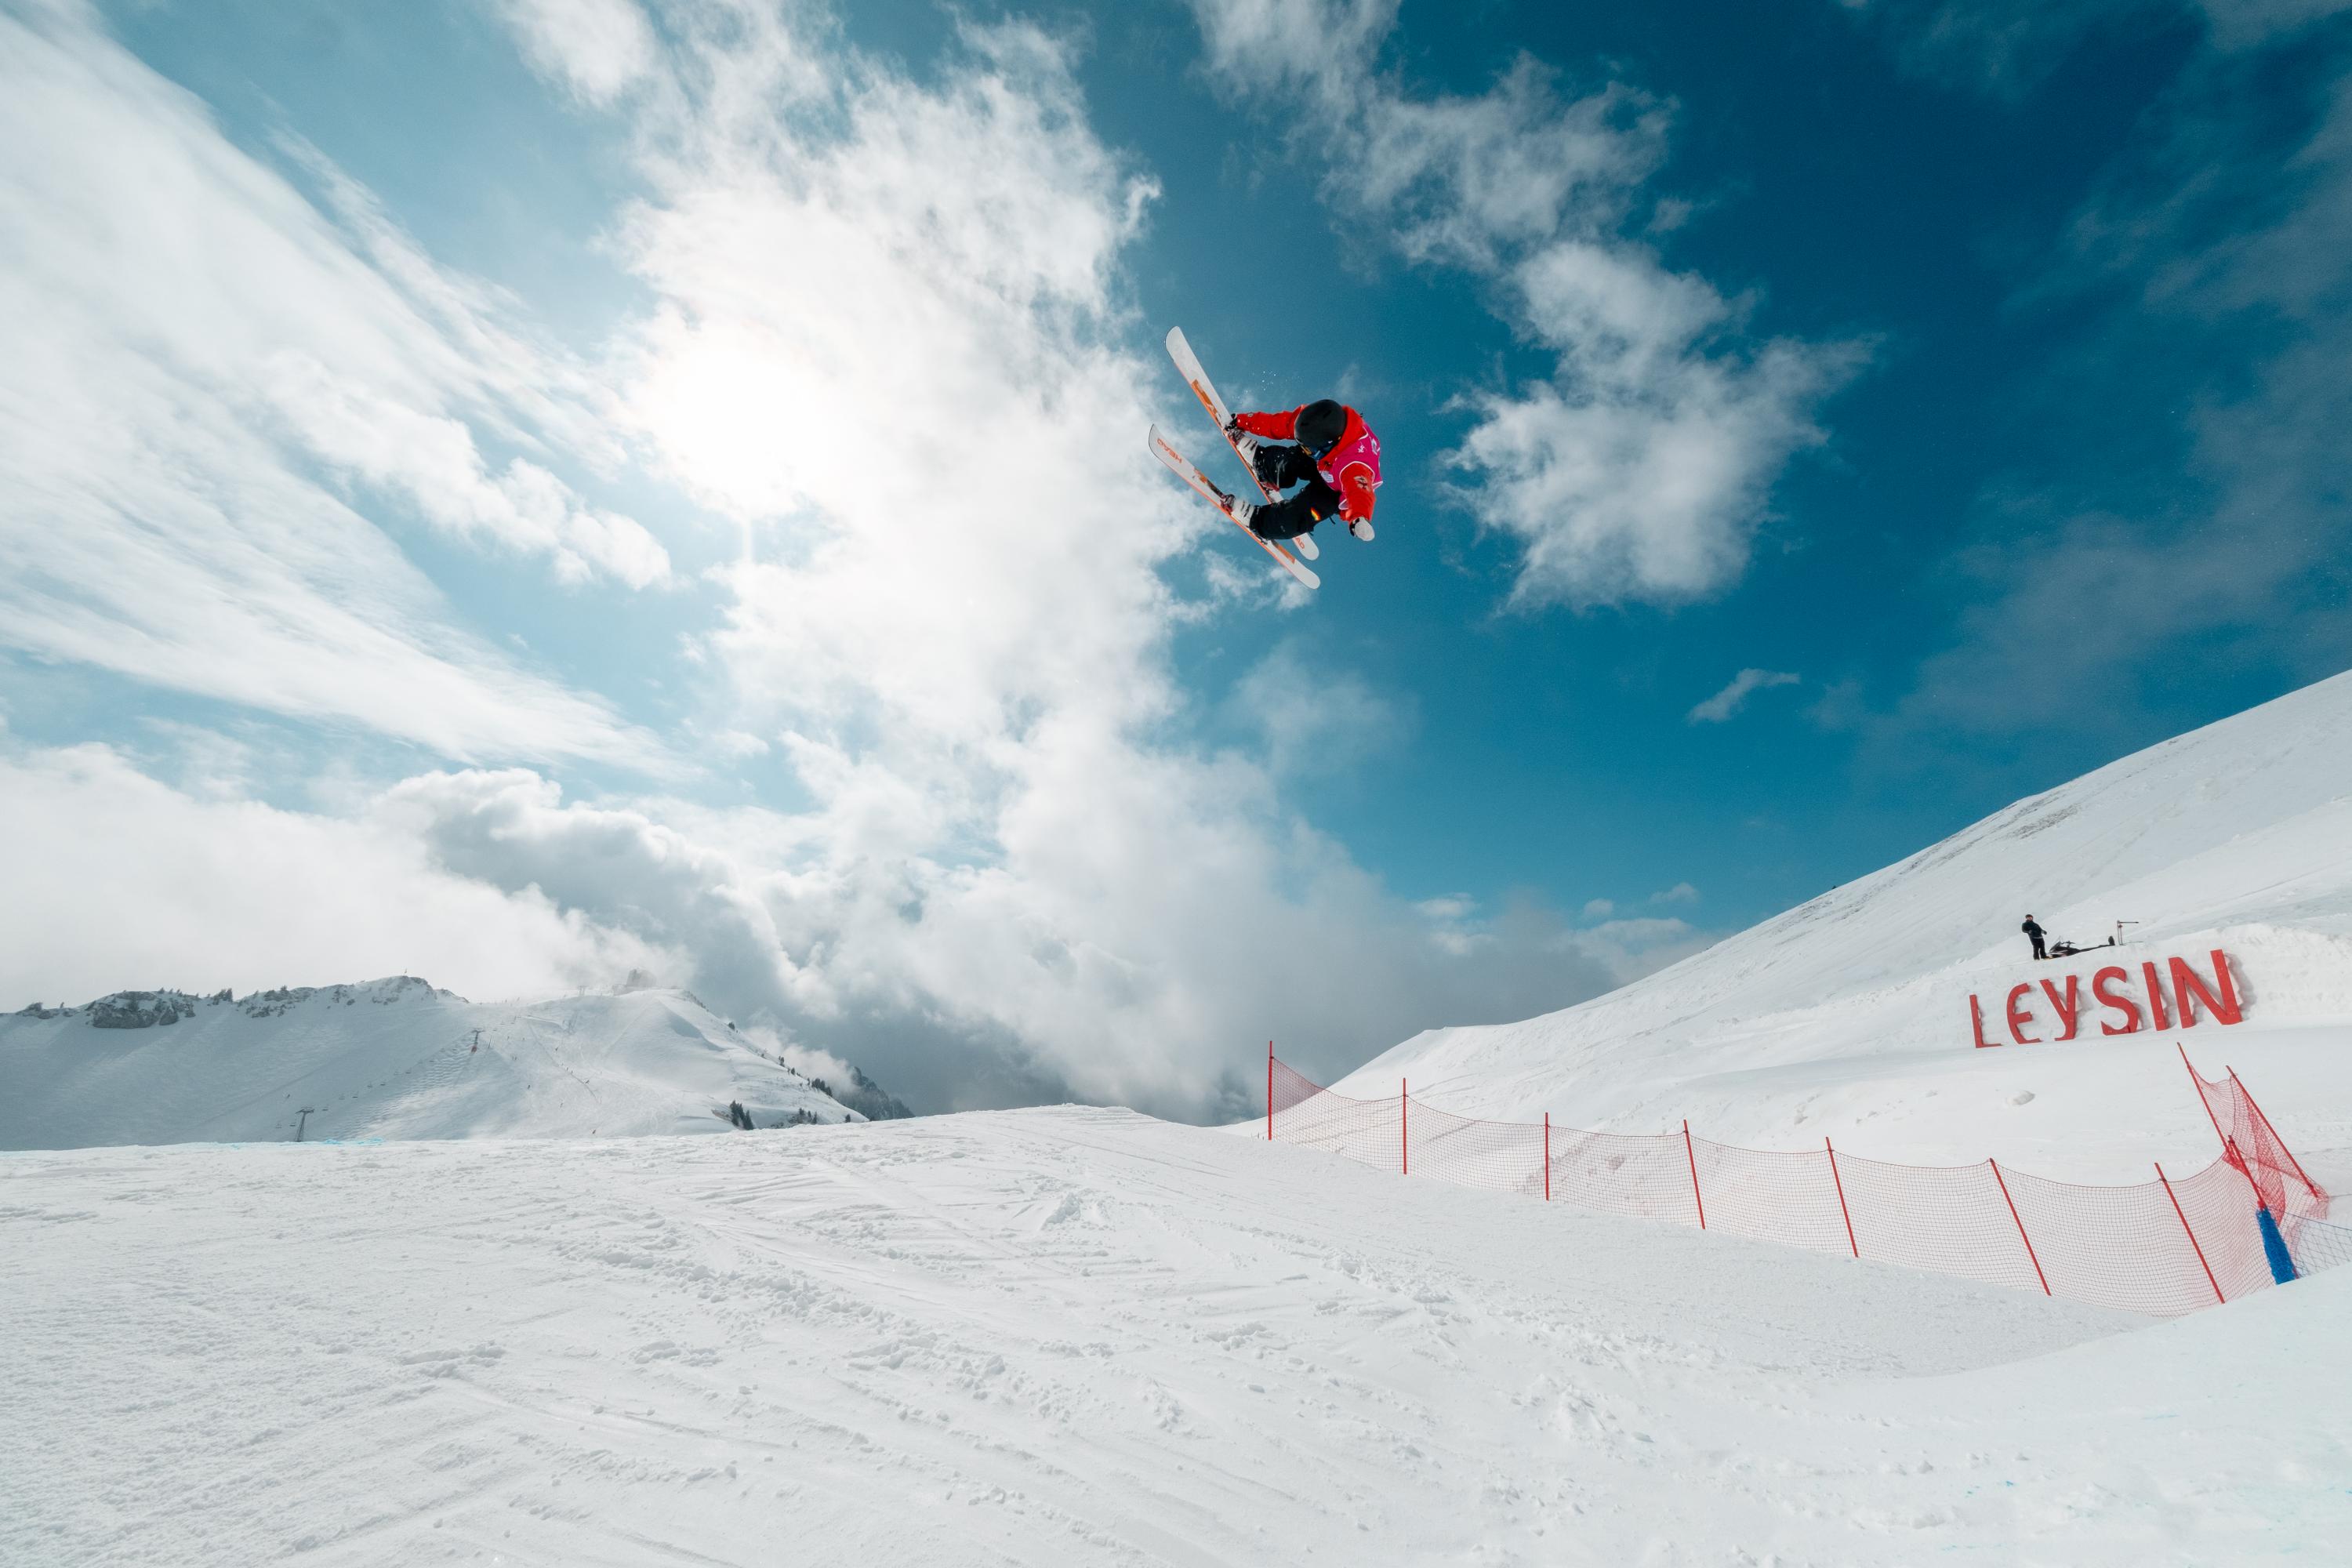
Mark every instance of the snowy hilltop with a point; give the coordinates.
(398, 1058)
(1905, 1016)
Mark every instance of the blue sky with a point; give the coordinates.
(526, 492)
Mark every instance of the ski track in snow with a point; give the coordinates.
(1075, 1336)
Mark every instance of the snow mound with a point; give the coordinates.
(392, 1059)
(1848, 1016)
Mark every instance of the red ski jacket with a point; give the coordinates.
(1352, 467)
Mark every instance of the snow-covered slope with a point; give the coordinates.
(392, 1059)
(1849, 1015)
(1076, 1337)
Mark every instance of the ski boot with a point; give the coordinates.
(1247, 445)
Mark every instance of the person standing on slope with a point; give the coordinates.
(1336, 456)
(2033, 934)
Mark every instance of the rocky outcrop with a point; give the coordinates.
(869, 1099)
(141, 1009)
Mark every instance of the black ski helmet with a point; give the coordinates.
(1320, 426)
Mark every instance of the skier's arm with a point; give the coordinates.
(1355, 493)
(1270, 426)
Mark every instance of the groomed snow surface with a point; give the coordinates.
(1075, 1336)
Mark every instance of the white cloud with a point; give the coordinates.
(2001, 45)
(1270, 46)
(193, 348)
(2239, 23)
(2009, 46)
(1314, 719)
(1135, 959)
(1473, 180)
(1621, 487)
(1624, 949)
(600, 48)
(509, 829)
(1640, 471)
(1680, 893)
(117, 881)
(1630, 949)
(1729, 701)
(739, 744)
(430, 459)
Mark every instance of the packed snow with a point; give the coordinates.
(1848, 1016)
(392, 1059)
(1075, 1336)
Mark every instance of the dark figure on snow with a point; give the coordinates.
(1336, 458)
(2033, 934)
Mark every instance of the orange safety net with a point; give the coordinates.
(2163, 1247)
(2249, 1145)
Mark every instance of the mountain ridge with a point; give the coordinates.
(396, 1058)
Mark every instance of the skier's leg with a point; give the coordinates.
(1281, 467)
(1280, 520)
(1289, 518)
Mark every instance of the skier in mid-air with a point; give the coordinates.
(1336, 456)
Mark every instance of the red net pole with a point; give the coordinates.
(2309, 1186)
(2109, 1245)
(2238, 1158)
(2192, 1236)
(2200, 1085)
(1269, 1091)
(1843, 1213)
(1693, 1171)
(2021, 1228)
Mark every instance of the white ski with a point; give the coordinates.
(1184, 470)
(1188, 365)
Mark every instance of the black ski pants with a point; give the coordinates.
(1279, 467)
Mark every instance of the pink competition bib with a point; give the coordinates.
(1365, 449)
